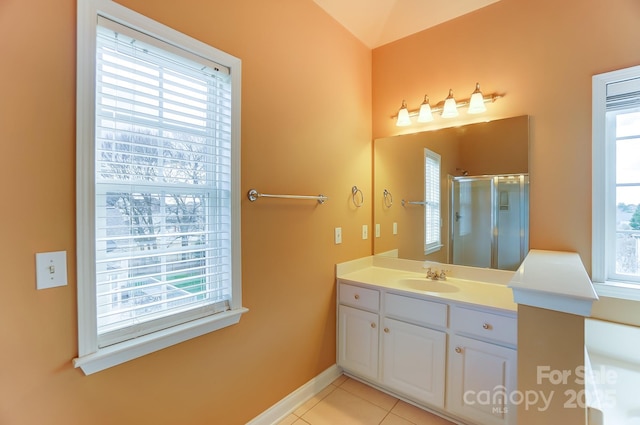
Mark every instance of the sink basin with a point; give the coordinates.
(428, 285)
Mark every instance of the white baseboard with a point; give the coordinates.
(287, 405)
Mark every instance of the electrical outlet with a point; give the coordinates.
(365, 231)
(51, 269)
(395, 228)
(338, 235)
(377, 230)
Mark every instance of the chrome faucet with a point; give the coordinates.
(435, 275)
(431, 274)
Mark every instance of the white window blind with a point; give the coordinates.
(432, 240)
(162, 183)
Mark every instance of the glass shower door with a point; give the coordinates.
(490, 221)
(471, 228)
(511, 227)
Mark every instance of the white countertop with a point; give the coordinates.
(554, 280)
(468, 291)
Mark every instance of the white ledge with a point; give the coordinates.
(116, 354)
(554, 280)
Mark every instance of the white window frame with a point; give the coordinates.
(432, 203)
(603, 196)
(91, 358)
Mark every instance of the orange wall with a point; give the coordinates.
(541, 55)
(553, 341)
(306, 129)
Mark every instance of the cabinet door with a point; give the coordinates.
(358, 341)
(414, 361)
(481, 380)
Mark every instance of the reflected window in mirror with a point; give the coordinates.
(481, 150)
(432, 220)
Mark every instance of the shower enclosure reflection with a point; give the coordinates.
(489, 220)
(487, 150)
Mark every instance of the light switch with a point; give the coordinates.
(377, 230)
(365, 231)
(51, 269)
(338, 235)
(395, 228)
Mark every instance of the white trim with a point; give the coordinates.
(90, 358)
(116, 354)
(85, 178)
(290, 403)
(435, 248)
(618, 290)
(601, 229)
(598, 175)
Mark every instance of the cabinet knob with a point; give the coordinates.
(373, 325)
(386, 330)
(458, 350)
(356, 296)
(486, 326)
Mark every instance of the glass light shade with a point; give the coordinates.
(450, 108)
(476, 103)
(425, 111)
(403, 116)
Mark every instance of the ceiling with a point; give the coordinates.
(378, 22)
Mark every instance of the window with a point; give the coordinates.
(158, 211)
(432, 238)
(616, 183)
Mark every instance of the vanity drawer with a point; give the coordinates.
(415, 310)
(357, 296)
(485, 325)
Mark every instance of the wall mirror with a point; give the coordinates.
(479, 206)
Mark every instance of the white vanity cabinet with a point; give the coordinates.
(414, 356)
(358, 330)
(481, 375)
(457, 358)
(406, 353)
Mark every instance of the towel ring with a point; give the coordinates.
(388, 198)
(354, 196)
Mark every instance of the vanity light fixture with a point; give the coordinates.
(476, 103)
(448, 108)
(425, 114)
(403, 116)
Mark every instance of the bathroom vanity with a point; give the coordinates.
(447, 345)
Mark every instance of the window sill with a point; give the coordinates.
(432, 249)
(613, 289)
(116, 354)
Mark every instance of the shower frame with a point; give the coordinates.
(523, 182)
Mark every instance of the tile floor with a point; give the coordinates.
(349, 402)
